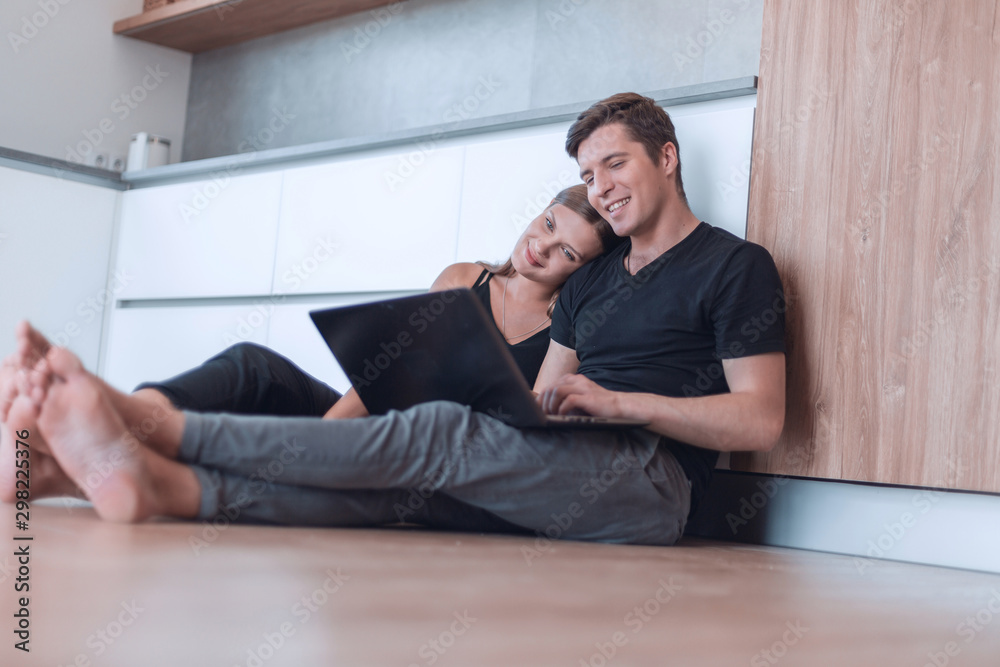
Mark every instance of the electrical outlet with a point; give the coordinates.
(99, 160)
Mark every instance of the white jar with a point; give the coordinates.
(159, 151)
(148, 150)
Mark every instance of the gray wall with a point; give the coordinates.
(70, 89)
(430, 63)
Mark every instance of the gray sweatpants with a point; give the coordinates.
(442, 465)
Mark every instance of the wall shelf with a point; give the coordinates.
(201, 25)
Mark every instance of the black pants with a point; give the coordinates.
(253, 380)
(248, 379)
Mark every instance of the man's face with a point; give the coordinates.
(623, 184)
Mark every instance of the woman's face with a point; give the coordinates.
(554, 245)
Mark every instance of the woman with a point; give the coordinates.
(250, 379)
(520, 294)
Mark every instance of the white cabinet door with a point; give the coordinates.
(55, 249)
(152, 344)
(508, 181)
(210, 238)
(373, 224)
(293, 334)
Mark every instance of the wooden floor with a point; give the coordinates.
(105, 594)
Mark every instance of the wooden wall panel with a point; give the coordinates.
(875, 186)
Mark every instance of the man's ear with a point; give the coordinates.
(668, 158)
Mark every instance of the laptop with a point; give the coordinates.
(438, 346)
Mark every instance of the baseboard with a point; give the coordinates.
(868, 521)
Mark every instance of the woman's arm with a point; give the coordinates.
(348, 407)
(463, 274)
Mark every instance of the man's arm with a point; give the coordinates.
(559, 361)
(749, 418)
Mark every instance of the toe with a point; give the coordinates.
(63, 363)
(31, 345)
(40, 377)
(22, 329)
(32, 338)
(37, 396)
(24, 414)
(38, 340)
(22, 380)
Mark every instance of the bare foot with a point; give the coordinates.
(32, 346)
(149, 415)
(124, 480)
(9, 371)
(33, 386)
(85, 435)
(47, 479)
(23, 380)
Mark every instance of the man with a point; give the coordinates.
(682, 326)
(684, 282)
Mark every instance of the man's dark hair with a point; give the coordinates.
(645, 121)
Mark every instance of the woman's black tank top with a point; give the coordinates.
(530, 352)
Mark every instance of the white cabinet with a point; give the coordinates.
(371, 224)
(209, 238)
(55, 248)
(508, 181)
(156, 343)
(293, 334)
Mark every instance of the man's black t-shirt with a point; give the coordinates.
(665, 330)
